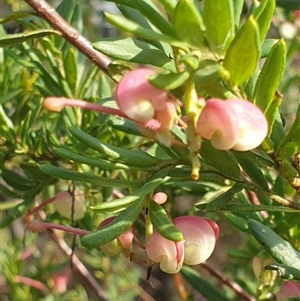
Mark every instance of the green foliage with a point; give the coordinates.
(254, 195)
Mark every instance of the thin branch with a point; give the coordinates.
(232, 285)
(90, 284)
(48, 13)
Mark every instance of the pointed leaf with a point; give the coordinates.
(19, 38)
(291, 143)
(132, 27)
(70, 66)
(270, 76)
(72, 175)
(169, 81)
(224, 198)
(162, 224)
(219, 23)
(120, 204)
(115, 228)
(263, 15)
(205, 288)
(135, 51)
(278, 248)
(243, 53)
(131, 157)
(188, 23)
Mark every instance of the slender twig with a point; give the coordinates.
(48, 13)
(232, 285)
(90, 283)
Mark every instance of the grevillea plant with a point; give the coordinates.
(145, 145)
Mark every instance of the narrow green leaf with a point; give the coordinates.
(254, 208)
(188, 23)
(224, 198)
(114, 229)
(152, 14)
(243, 53)
(247, 162)
(72, 175)
(162, 224)
(16, 212)
(219, 22)
(291, 143)
(135, 51)
(284, 271)
(237, 222)
(9, 95)
(278, 248)
(70, 66)
(16, 15)
(223, 161)
(207, 290)
(123, 203)
(17, 181)
(169, 81)
(19, 38)
(131, 157)
(92, 161)
(272, 112)
(270, 76)
(263, 15)
(132, 27)
(237, 11)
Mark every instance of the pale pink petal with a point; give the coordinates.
(253, 126)
(137, 98)
(199, 238)
(165, 252)
(288, 289)
(219, 124)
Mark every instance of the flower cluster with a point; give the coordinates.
(231, 124)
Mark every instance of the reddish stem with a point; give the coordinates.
(37, 226)
(31, 282)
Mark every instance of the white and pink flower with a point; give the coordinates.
(199, 241)
(232, 124)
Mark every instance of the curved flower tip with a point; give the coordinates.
(63, 205)
(219, 124)
(137, 98)
(199, 238)
(167, 253)
(120, 244)
(233, 123)
(288, 289)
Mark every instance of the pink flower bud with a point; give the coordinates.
(63, 204)
(199, 238)
(199, 235)
(160, 198)
(288, 289)
(120, 244)
(137, 98)
(233, 123)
